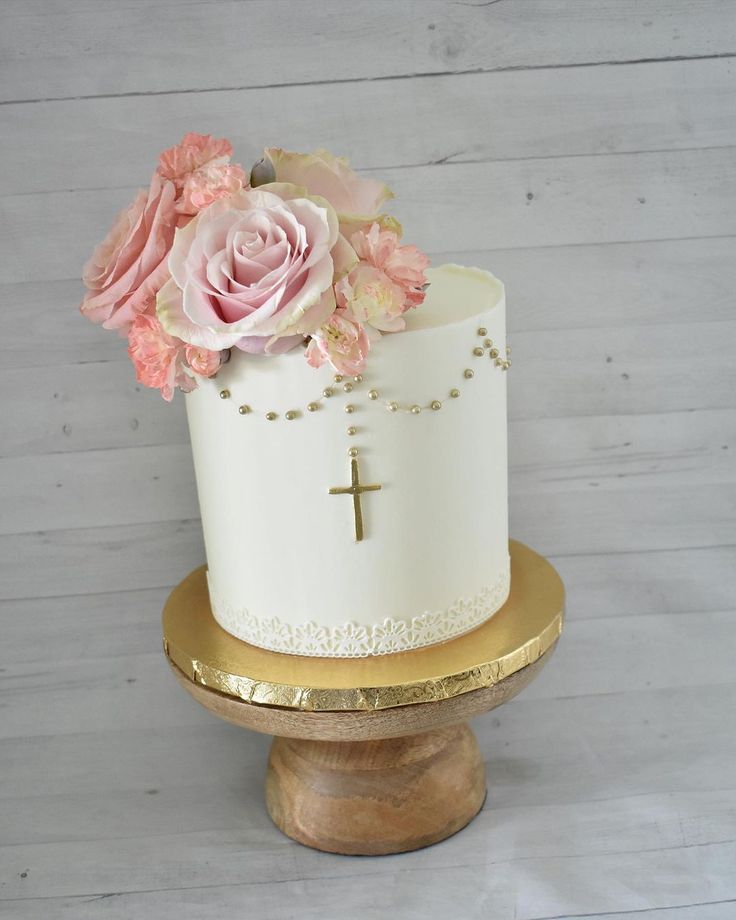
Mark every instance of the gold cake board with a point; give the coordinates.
(371, 755)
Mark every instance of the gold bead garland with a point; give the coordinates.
(373, 394)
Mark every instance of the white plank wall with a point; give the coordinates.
(585, 151)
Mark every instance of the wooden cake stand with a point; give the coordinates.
(371, 755)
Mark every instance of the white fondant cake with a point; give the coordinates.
(427, 424)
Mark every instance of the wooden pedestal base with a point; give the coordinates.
(376, 797)
(370, 756)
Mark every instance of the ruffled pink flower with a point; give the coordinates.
(372, 298)
(159, 358)
(206, 185)
(404, 265)
(342, 341)
(199, 166)
(128, 268)
(202, 361)
(193, 152)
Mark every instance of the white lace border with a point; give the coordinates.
(354, 640)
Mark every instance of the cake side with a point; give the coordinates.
(426, 422)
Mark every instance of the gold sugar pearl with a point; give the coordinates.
(508, 349)
(488, 343)
(349, 408)
(436, 404)
(372, 394)
(312, 407)
(271, 416)
(348, 387)
(392, 406)
(327, 392)
(358, 378)
(352, 430)
(224, 394)
(243, 410)
(415, 410)
(478, 352)
(494, 352)
(467, 373)
(352, 452)
(291, 415)
(338, 378)
(454, 393)
(482, 331)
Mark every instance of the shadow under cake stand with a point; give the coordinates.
(371, 755)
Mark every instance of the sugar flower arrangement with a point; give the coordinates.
(210, 258)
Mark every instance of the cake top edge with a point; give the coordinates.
(456, 294)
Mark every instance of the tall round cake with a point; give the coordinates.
(347, 405)
(347, 516)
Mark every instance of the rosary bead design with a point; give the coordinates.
(348, 386)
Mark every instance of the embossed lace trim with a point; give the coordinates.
(351, 640)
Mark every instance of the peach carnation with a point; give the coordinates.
(342, 341)
(208, 184)
(193, 152)
(373, 298)
(199, 166)
(404, 265)
(159, 358)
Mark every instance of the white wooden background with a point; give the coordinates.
(584, 151)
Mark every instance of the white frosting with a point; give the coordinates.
(285, 571)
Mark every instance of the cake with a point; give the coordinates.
(346, 403)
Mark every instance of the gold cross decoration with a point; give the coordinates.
(355, 489)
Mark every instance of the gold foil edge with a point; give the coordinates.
(315, 699)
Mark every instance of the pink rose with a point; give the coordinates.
(254, 271)
(203, 362)
(373, 298)
(158, 358)
(128, 268)
(342, 341)
(357, 201)
(404, 265)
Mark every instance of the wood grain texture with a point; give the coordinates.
(78, 47)
(612, 774)
(575, 111)
(372, 798)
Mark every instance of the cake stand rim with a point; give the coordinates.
(361, 725)
(523, 640)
